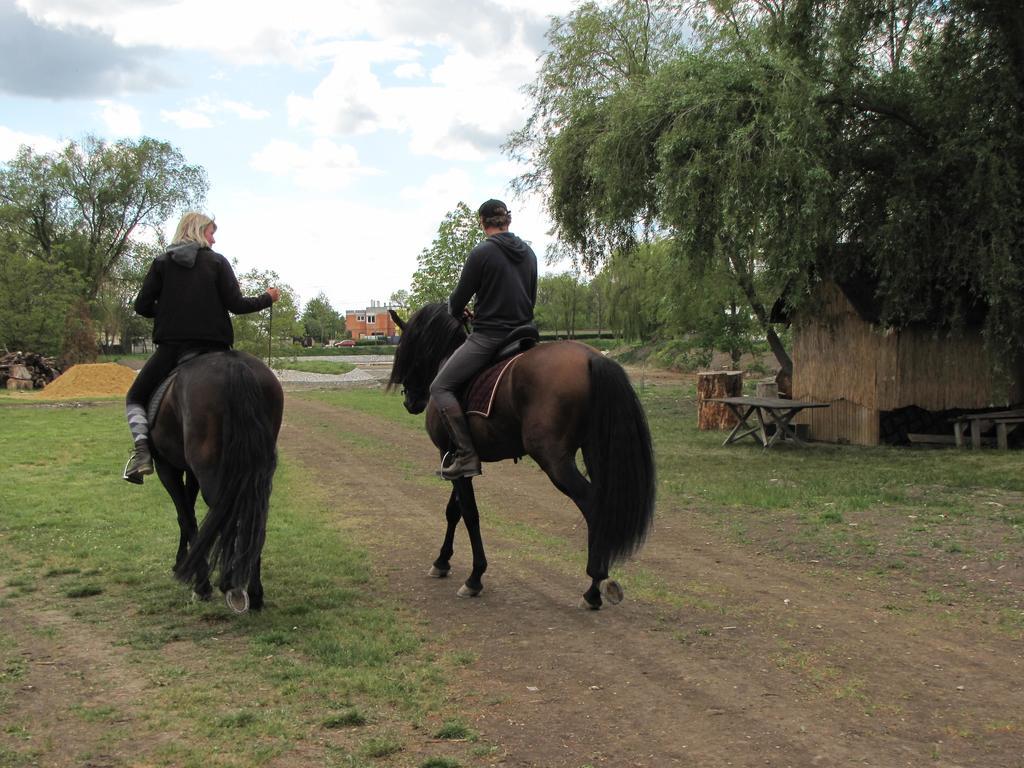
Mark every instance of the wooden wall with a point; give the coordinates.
(861, 369)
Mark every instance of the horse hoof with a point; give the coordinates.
(611, 591)
(237, 600)
(199, 597)
(588, 606)
(465, 591)
(437, 573)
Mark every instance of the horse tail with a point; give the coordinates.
(620, 463)
(234, 530)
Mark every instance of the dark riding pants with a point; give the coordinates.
(465, 362)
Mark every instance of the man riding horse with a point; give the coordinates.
(501, 272)
(188, 291)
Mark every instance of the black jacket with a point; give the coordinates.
(189, 291)
(502, 272)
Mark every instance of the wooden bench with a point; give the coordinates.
(977, 423)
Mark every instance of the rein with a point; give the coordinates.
(270, 333)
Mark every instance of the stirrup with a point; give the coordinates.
(449, 460)
(139, 467)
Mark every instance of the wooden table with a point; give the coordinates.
(979, 422)
(766, 410)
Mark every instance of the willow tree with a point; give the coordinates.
(781, 143)
(440, 264)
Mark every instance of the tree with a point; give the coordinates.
(561, 302)
(593, 54)
(441, 263)
(35, 300)
(74, 217)
(872, 141)
(320, 320)
(550, 312)
(82, 206)
(278, 324)
(635, 283)
(114, 308)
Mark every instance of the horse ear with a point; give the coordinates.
(398, 321)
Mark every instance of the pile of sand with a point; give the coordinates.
(90, 380)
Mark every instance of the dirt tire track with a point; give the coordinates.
(755, 661)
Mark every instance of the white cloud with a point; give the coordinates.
(263, 30)
(444, 189)
(244, 111)
(11, 141)
(466, 112)
(351, 251)
(323, 166)
(200, 113)
(411, 71)
(119, 118)
(186, 119)
(347, 101)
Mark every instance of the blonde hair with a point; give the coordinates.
(192, 228)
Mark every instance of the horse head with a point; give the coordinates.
(428, 338)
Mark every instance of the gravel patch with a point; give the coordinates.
(355, 378)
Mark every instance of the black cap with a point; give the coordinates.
(493, 208)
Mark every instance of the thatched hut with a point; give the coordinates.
(881, 381)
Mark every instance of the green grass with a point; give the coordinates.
(358, 349)
(455, 729)
(382, 746)
(439, 762)
(314, 366)
(71, 528)
(349, 718)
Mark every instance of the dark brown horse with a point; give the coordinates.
(557, 399)
(216, 433)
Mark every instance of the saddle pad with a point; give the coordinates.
(158, 396)
(479, 395)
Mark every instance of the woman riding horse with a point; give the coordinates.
(188, 291)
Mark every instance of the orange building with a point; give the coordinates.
(372, 322)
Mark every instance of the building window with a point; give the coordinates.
(371, 319)
(360, 318)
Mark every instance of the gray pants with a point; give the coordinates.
(464, 363)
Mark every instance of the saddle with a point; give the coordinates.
(478, 396)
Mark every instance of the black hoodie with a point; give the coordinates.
(502, 272)
(189, 291)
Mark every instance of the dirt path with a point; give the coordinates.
(737, 659)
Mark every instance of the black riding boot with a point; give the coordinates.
(463, 462)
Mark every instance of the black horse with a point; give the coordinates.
(216, 432)
(556, 399)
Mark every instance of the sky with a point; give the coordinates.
(336, 135)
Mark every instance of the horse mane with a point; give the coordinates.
(430, 335)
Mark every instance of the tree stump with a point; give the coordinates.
(767, 388)
(710, 384)
(20, 377)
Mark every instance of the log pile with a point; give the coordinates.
(27, 370)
